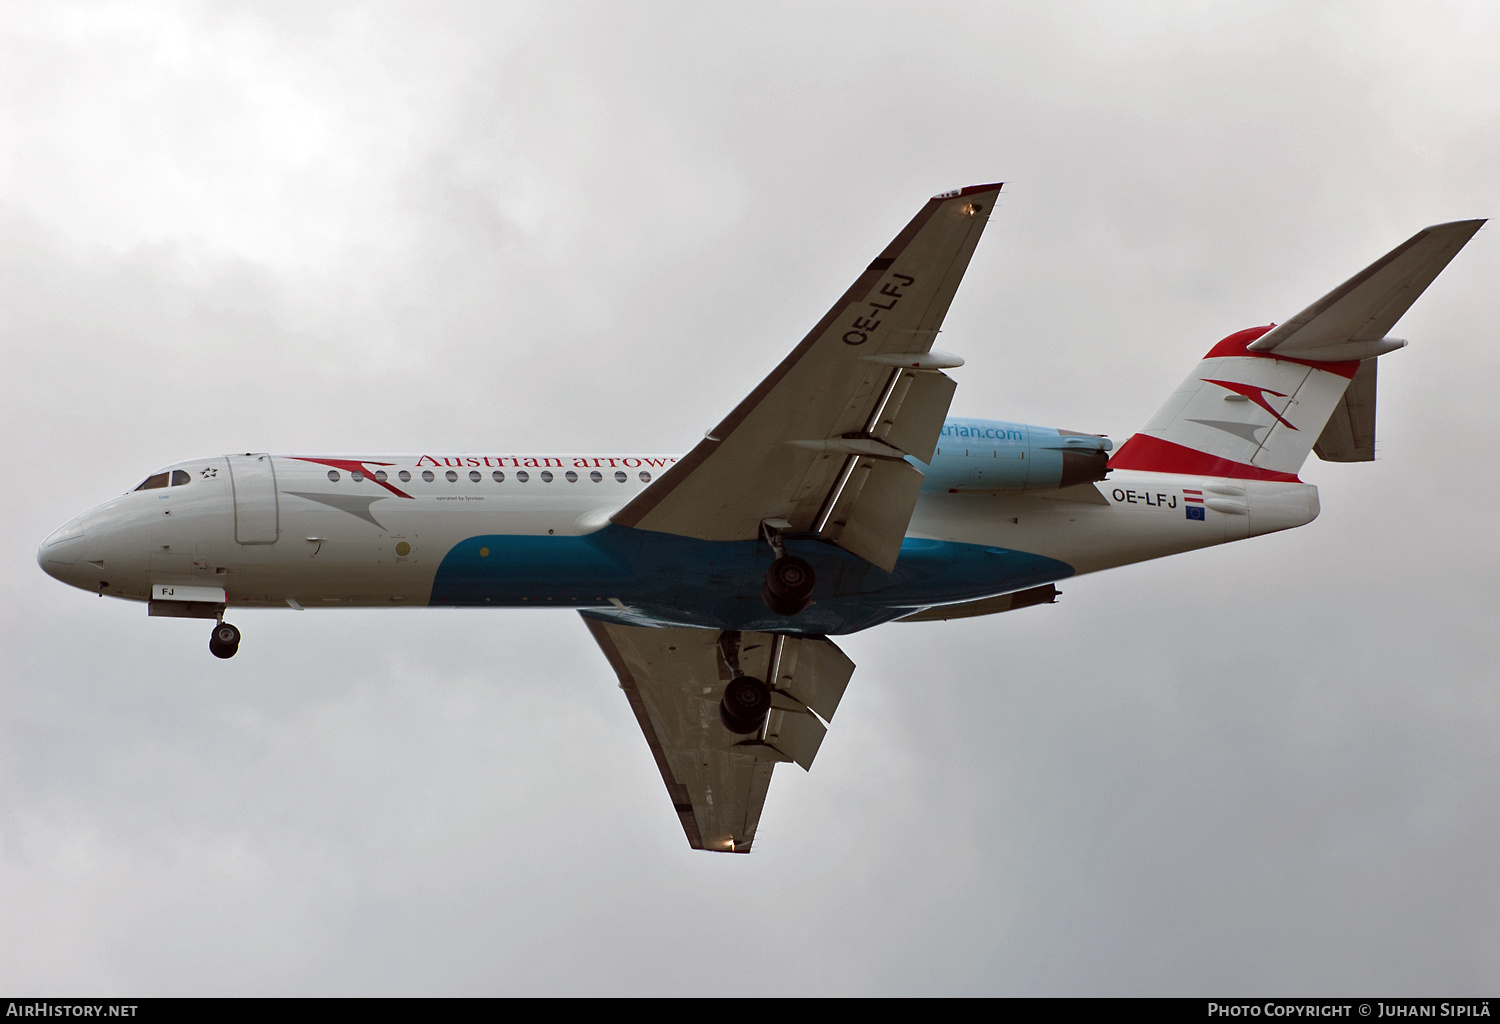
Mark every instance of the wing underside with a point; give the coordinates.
(674, 678)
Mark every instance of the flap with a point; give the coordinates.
(815, 672)
(916, 424)
(871, 509)
(795, 732)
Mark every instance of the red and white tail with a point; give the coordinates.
(1241, 414)
(1261, 398)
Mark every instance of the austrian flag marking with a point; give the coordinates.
(1193, 502)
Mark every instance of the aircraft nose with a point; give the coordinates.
(62, 550)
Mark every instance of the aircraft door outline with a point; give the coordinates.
(257, 509)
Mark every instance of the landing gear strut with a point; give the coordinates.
(746, 701)
(789, 585)
(224, 641)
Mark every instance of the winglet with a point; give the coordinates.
(970, 190)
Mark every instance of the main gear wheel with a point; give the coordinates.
(789, 585)
(746, 701)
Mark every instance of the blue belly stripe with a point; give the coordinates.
(679, 580)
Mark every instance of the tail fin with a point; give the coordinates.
(1241, 414)
(1261, 398)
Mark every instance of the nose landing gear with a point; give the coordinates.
(224, 641)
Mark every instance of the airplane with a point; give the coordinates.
(837, 496)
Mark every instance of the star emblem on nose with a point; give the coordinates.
(209, 471)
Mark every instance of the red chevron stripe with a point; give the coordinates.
(1153, 455)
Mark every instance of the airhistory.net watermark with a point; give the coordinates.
(52, 1008)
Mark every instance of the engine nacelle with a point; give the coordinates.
(984, 456)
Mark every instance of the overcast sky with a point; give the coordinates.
(1272, 767)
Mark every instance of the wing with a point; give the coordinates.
(820, 444)
(674, 679)
(1350, 322)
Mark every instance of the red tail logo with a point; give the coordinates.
(1255, 394)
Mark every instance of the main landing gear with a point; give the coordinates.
(789, 585)
(224, 641)
(746, 701)
(789, 582)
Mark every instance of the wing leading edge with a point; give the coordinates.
(821, 444)
(674, 679)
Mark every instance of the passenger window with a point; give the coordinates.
(451, 476)
(380, 475)
(499, 477)
(180, 477)
(474, 476)
(427, 475)
(333, 475)
(645, 477)
(404, 476)
(596, 476)
(153, 481)
(546, 476)
(523, 476)
(620, 476)
(571, 476)
(357, 476)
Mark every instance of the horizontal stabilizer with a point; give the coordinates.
(1351, 321)
(1350, 433)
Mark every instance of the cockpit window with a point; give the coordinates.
(153, 481)
(180, 477)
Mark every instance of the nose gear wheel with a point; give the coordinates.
(224, 641)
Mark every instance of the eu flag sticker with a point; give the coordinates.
(1193, 500)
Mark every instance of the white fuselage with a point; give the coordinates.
(314, 532)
